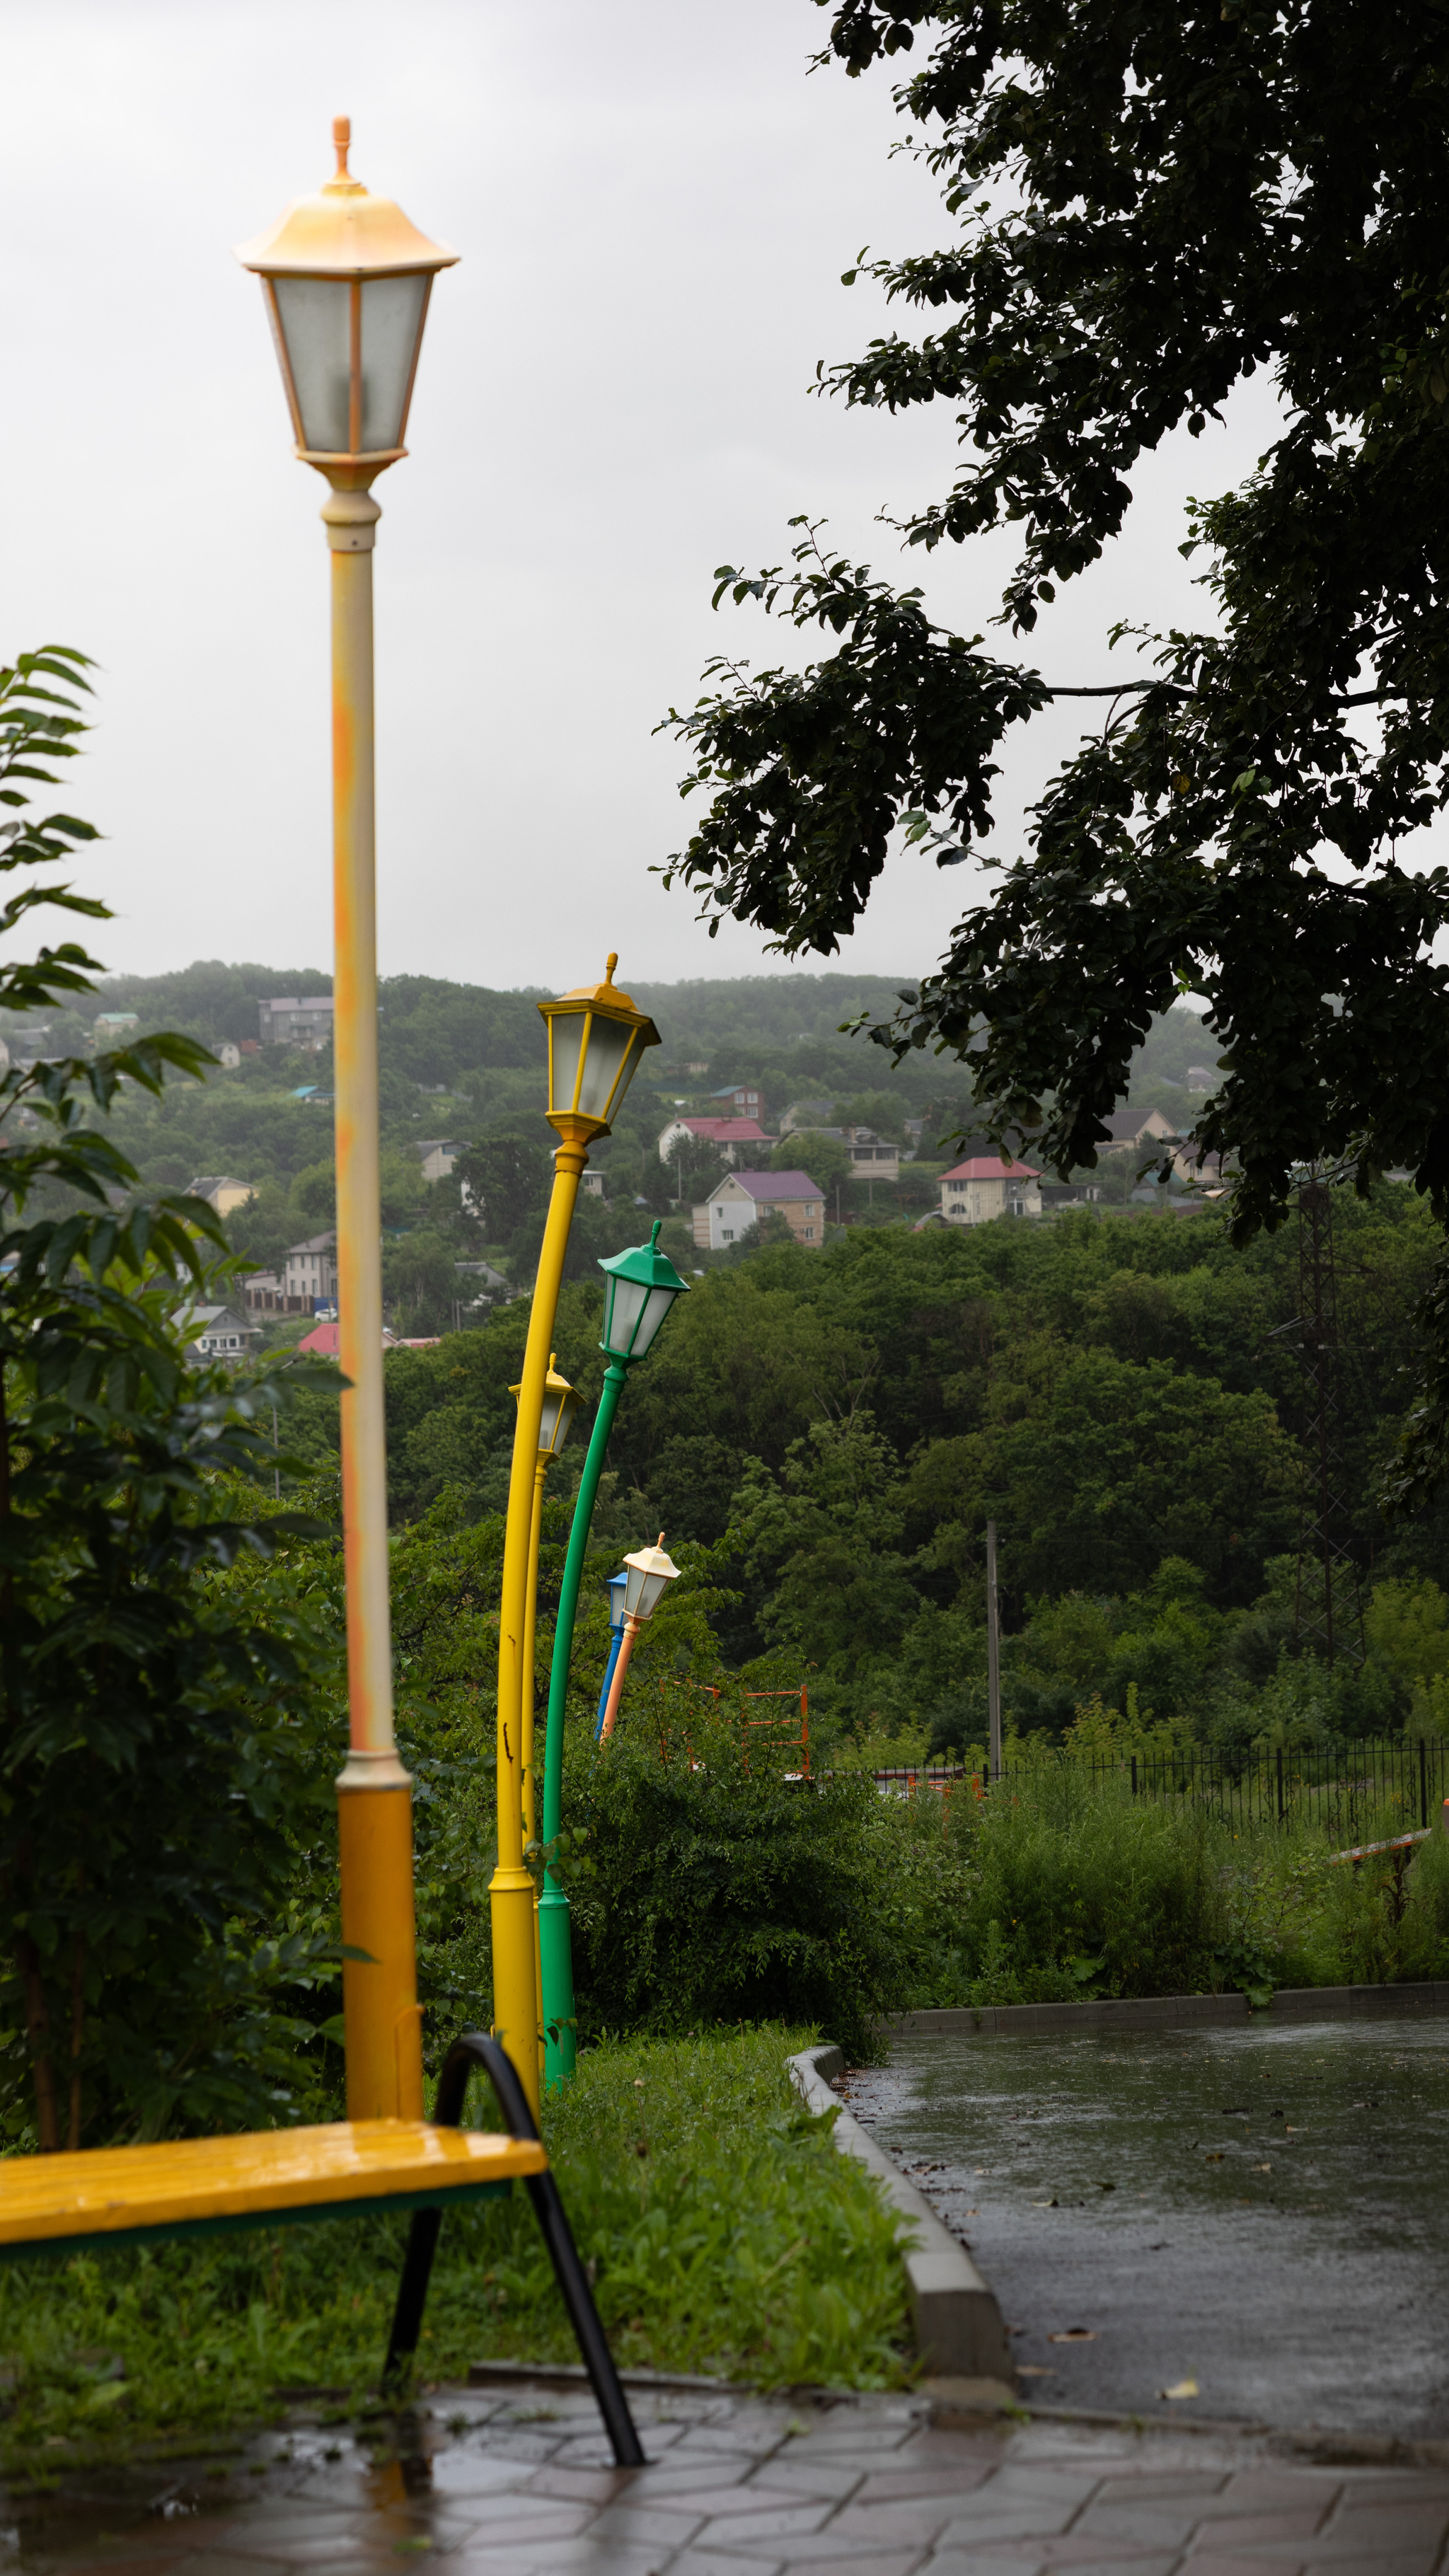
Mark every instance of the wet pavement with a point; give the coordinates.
(485, 2483)
(1262, 2209)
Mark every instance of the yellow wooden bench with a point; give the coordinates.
(198, 2186)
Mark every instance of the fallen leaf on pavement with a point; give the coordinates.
(1180, 2388)
(1074, 2334)
(1034, 2370)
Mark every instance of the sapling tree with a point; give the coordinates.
(1151, 201)
(157, 1766)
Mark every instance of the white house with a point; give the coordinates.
(310, 1272)
(741, 1199)
(984, 1187)
(220, 1333)
(874, 1157)
(438, 1158)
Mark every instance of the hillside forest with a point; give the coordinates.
(467, 1065)
(1115, 1386)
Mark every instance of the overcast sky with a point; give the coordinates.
(653, 203)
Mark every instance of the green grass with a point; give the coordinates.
(1058, 1887)
(728, 2236)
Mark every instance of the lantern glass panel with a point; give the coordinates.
(392, 317)
(609, 1042)
(643, 1592)
(618, 1585)
(316, 318)
(565, 1039)
(559, 1407)
(634, 1314)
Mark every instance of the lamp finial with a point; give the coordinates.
(341, 144)
(613, 960)
(654, 1236)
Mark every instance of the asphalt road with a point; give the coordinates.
(1263, 2210)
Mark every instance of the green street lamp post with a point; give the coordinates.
(640, 1286)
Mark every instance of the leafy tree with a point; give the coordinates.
(825, 1539)
(824, 1157)
(882, 1110)
(314, 1194)
(154, 1771)
(1150, 205)
(420, 1282)
(503, 1174)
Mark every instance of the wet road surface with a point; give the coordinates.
(480, 2484)
(1262, 2209)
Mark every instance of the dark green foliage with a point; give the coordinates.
(1058, 1889)
(1114, 1390)
(156, 1780)
(720, 1891)
(1149, 204)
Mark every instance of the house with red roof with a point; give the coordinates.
(741, 1199)
(984, 1187)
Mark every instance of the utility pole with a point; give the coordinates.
(993, 1653)
(1328, 1612)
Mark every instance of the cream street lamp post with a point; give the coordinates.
(347, 280)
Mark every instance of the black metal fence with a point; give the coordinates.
(1389, 1782)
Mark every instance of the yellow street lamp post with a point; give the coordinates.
(347, 280)
(596, 1039)
(560, 1404)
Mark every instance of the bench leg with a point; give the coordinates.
(475, 2048)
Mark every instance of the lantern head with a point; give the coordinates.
(640, 1286)
(347, 280)
(560, 1404)
(649, 1571)
(596, 1040)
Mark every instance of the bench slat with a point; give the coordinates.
(105, 2191)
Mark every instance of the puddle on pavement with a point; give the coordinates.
(1261, 2209)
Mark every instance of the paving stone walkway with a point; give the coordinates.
(516, 2482)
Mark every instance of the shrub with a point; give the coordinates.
(721, 1891)
(1062, 1888)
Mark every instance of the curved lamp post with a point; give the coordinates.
(649, 1571)
(615, 1588)
(640, 1286)
(596, 1040)
(560, 1404)
(347, 280)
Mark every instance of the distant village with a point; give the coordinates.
(771, 1163)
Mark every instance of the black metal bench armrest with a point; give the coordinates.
(476, 2049)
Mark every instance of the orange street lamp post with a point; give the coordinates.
(347, 280)
(649, 1570)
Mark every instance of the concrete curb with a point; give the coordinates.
(958, 2326)
(1162, 2012)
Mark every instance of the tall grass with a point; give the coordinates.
(1055, 1885)
(726, 2233)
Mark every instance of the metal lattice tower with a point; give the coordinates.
(1328, 1612)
